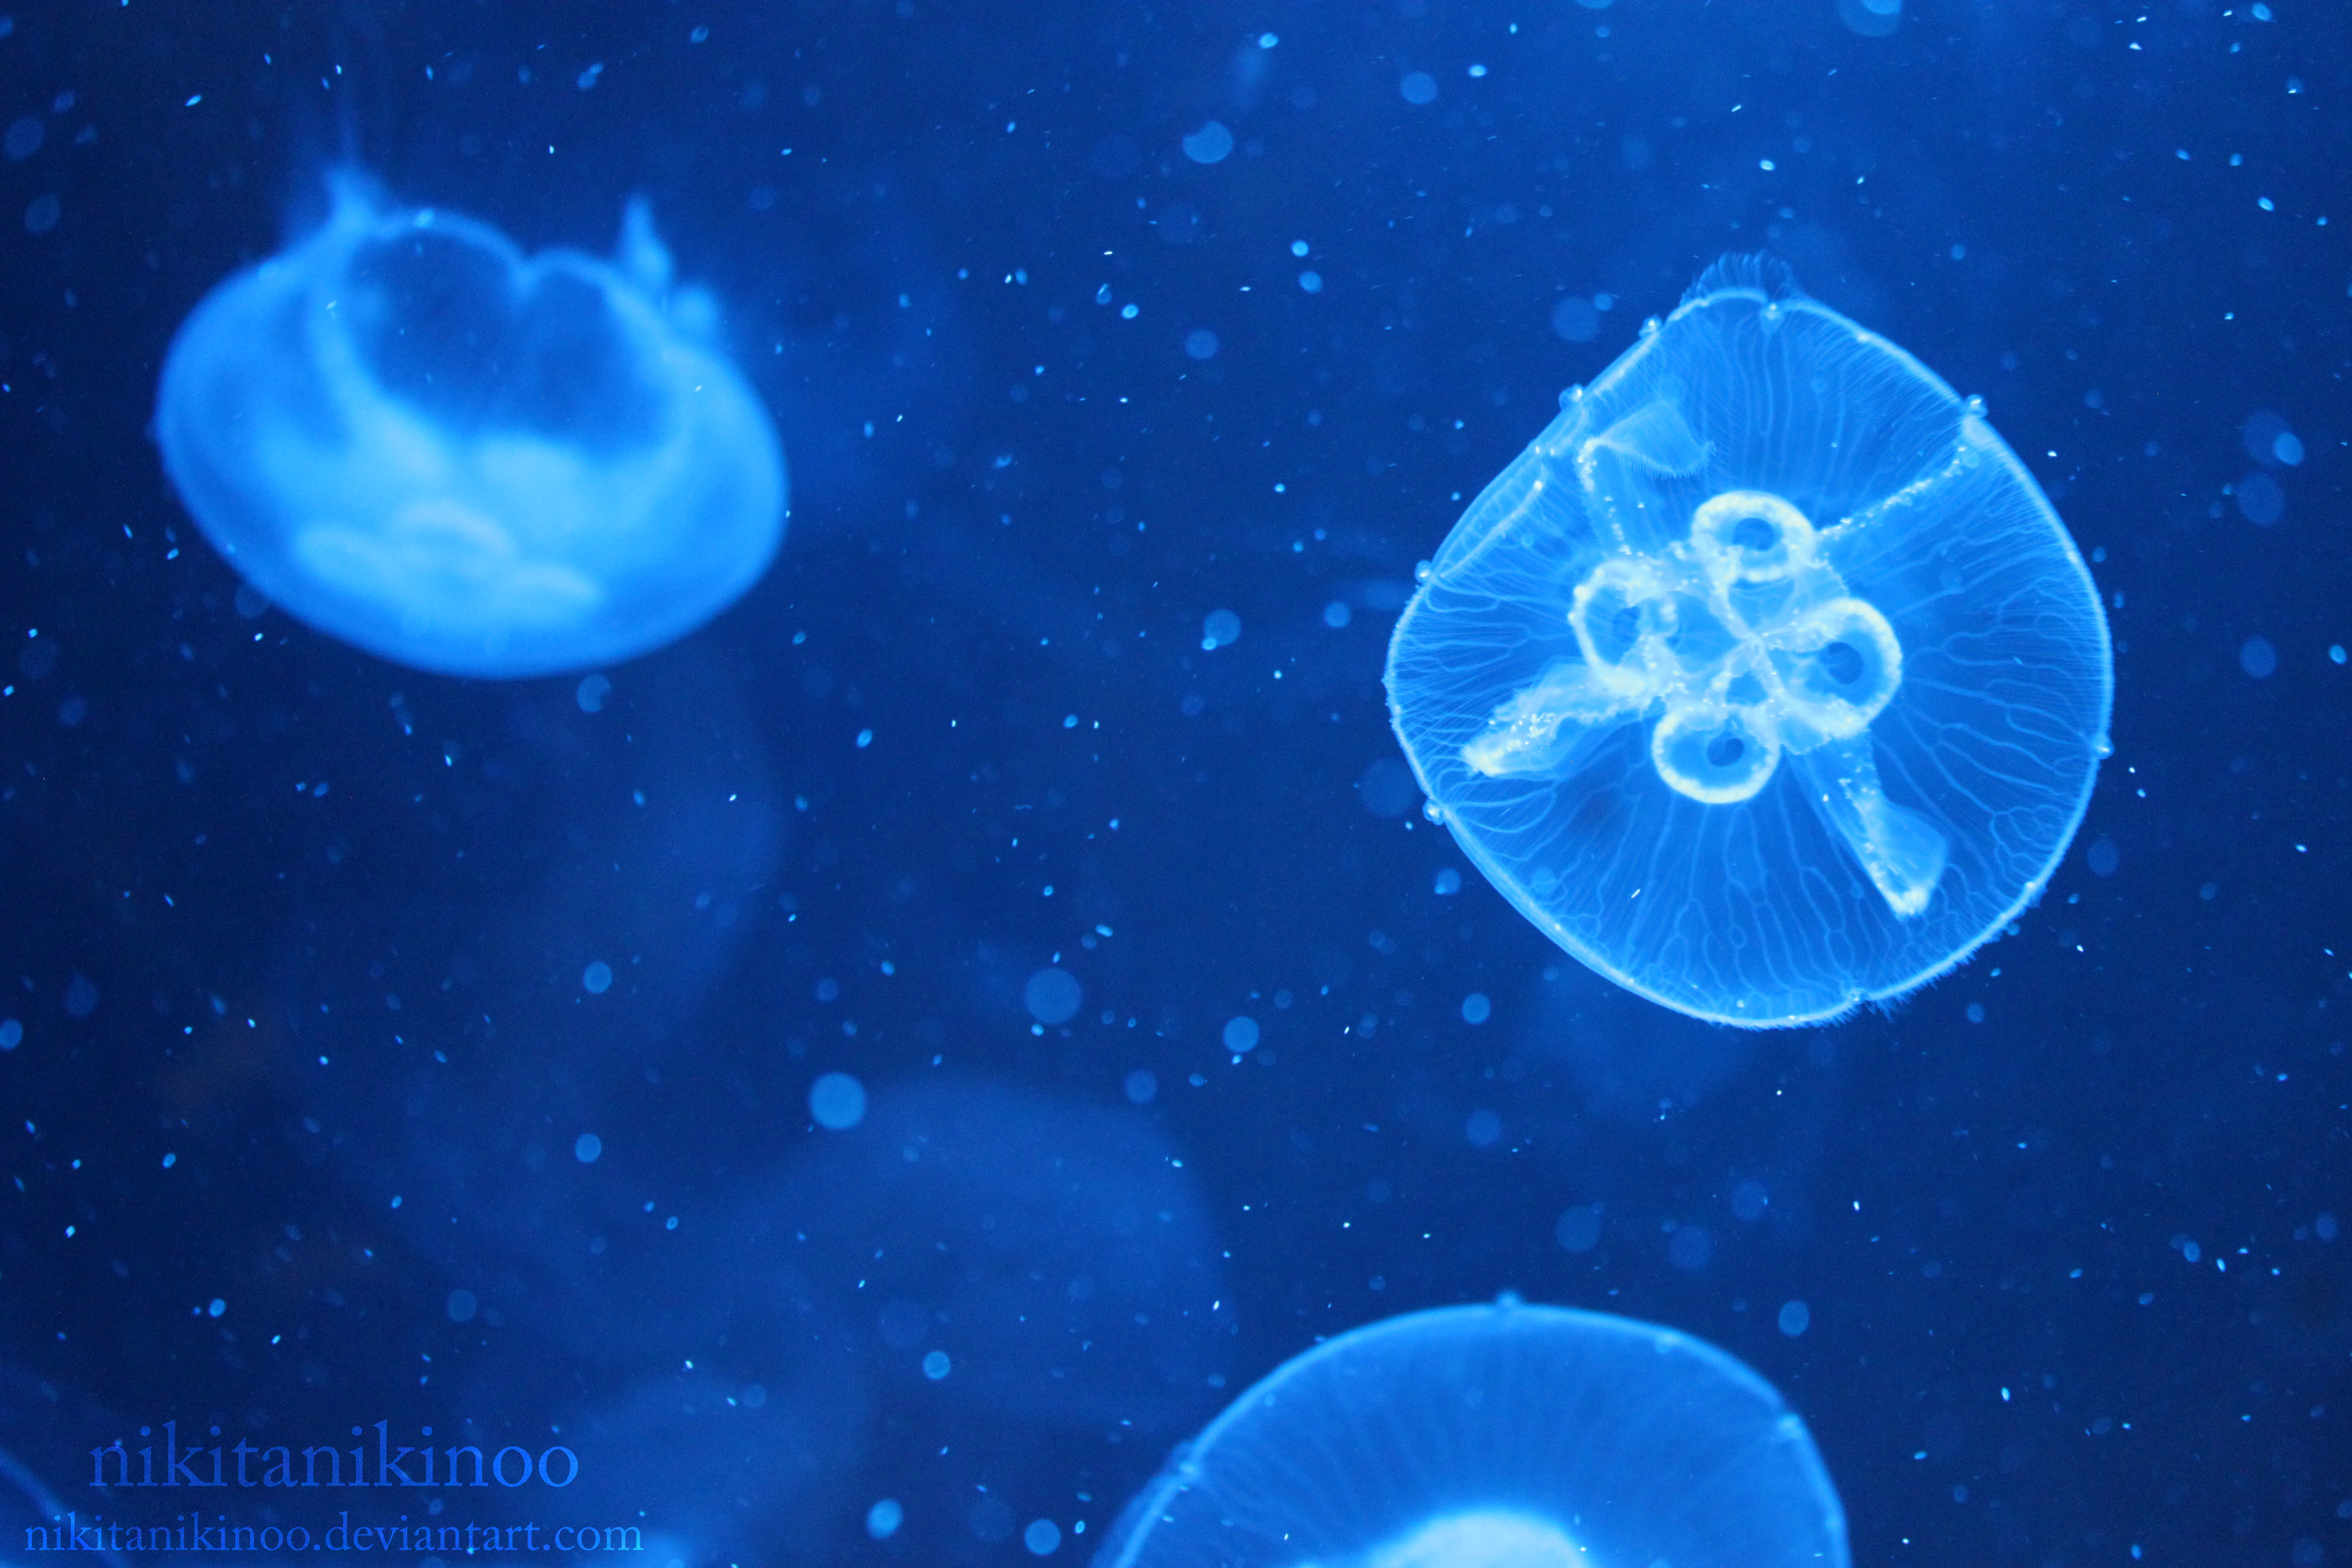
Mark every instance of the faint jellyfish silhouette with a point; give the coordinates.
(55, 1440)
(1628, 1060)
(745, 1459)
(1575, 319)
(1046, 1250)
(464, 459)
(837, 1101)
(2271, 440)
(1212, 144)
(1766, 681)
(1503, 1436)
(1053, 996)
(646, 833)
(2261, 499)
(1385, 788)
(1871, 19)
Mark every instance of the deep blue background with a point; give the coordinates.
(1986, 1196)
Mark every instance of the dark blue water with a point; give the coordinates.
(297, 939)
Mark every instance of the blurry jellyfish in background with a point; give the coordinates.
(2273, 443)
(1871, 19)
(1575, 319)
(1503, 1436)
(1052, 996)
(1628, 1059)
(1212, 144)
(2271, 440)
(1766, 681)
(2262, 500)
(723, 1466)
(728, 1451)
(837, 1101)
(47, 1432)
(1047, 1251)
(464, 459)
(475, 1054)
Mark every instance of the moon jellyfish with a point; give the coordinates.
(465, 460)
(1766, 681)
(1503, 1436)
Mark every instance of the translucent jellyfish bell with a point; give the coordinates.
(412, 435)
(1766, 681)
(1504, 1436)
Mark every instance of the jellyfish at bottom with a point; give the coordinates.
(1766, 681)
(415, 437)
(1502, 1437)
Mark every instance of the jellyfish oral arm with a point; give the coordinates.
(1614, 466)
(1482, 1538)
(1537, 731)
(1749, 647)
(1901, 852)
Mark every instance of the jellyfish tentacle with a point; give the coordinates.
(1654, 441)
(1539, 731)
(1901, 851)
(1920, 490)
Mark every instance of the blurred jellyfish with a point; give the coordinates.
(1504, 1436)
(473, 1062)
(1386, 787)
(1629, 1060)
(1575, 319)
(837, 1101)
(465, 460)
(2270, 440)
(1212, 144)
(1871, 19)
(739, 1456)
(2103, 857)
(1690, 1248)
(51, 1437)
(872, 321)
(1046, 1250)
(1052, 996)
(1766, 681)
(2262, 500)
(1579, 1229)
